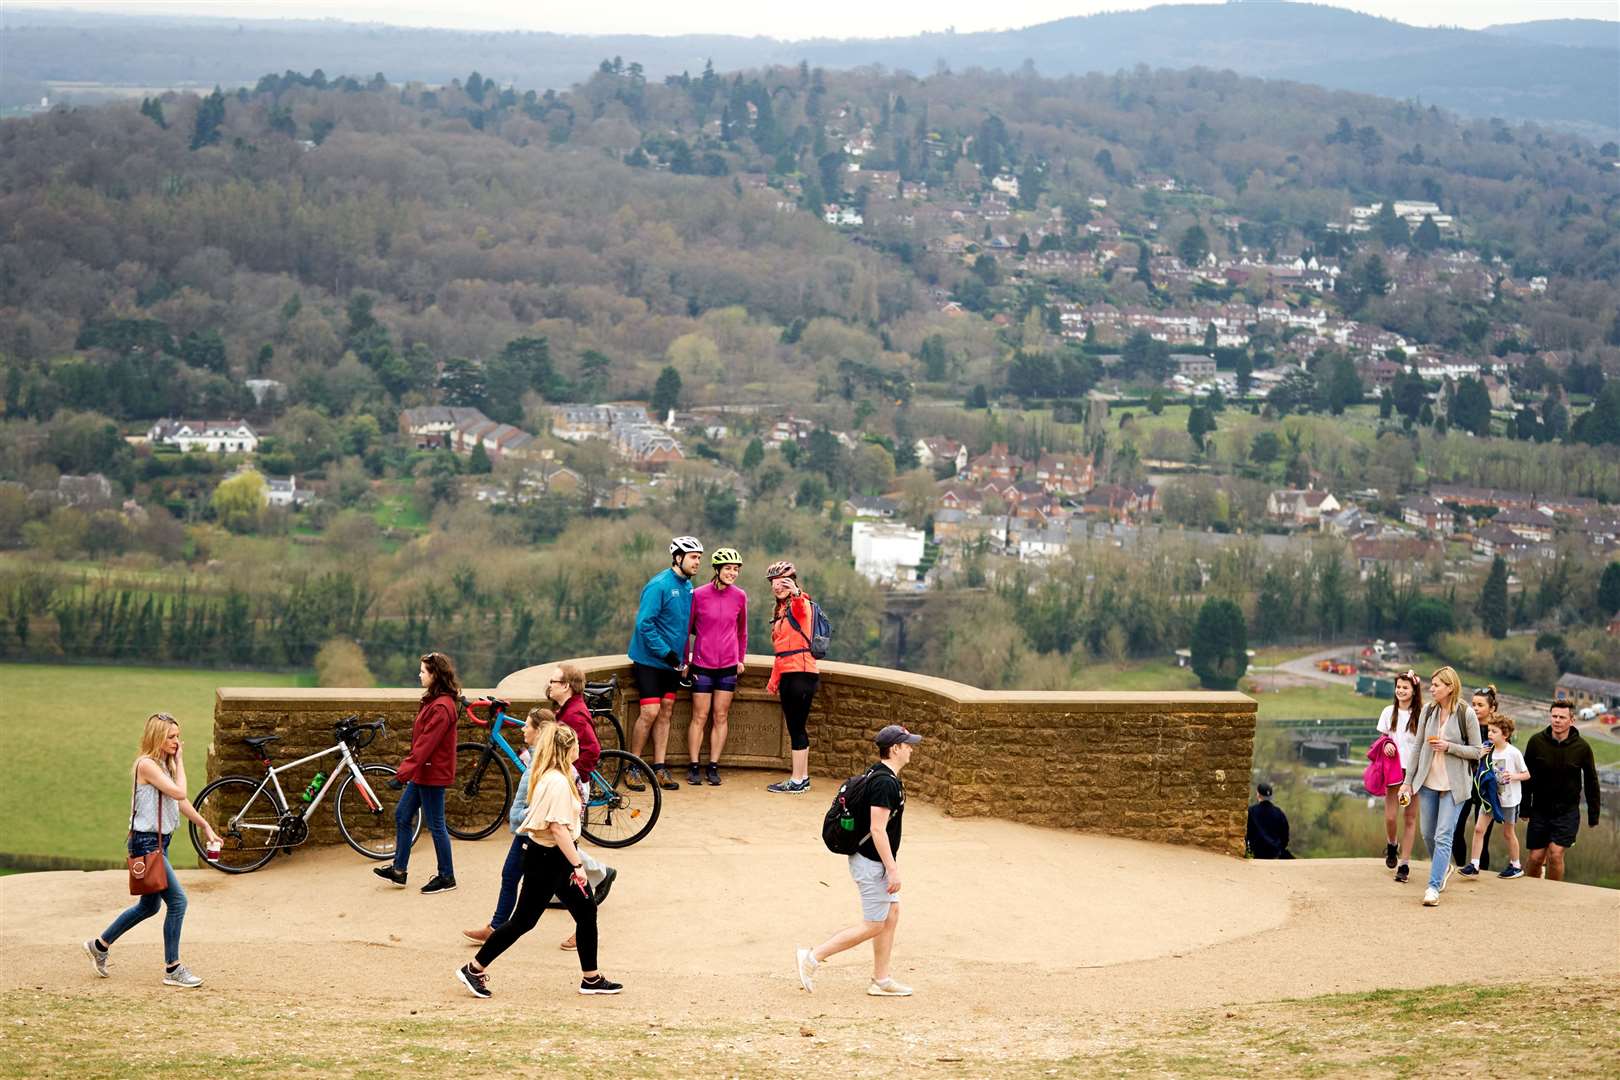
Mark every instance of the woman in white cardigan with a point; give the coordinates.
(1448, 745)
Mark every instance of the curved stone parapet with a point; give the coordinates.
(1167, 766)
(1170, 767)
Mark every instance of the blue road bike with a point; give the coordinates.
(615, 814)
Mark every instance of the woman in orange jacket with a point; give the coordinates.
(794, 675)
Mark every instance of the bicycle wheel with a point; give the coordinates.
(245, 818)
(615, 815)
(608, 731)
(478, 802)
(371, 832)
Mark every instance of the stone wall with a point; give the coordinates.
(1169, 767)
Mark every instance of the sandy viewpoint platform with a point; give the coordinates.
(998, 920)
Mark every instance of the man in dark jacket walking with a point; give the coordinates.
(1561, 766)
(1267, 834)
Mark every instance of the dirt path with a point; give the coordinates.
(1000, 920)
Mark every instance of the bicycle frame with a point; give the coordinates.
(272, 780)
(495, 738)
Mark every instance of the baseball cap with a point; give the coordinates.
(893, 734)
(1263, 788)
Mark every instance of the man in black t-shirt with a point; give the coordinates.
(875, 870)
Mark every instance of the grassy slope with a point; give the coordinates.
(92, 717)
(1553, 1030)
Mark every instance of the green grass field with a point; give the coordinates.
(65, 755)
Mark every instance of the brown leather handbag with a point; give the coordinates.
(146, 872)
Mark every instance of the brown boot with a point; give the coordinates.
(568, 944)
(478, 936)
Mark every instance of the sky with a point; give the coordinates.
(775, 18)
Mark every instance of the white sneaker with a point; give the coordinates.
(888, 988)
(181, 976)
(98, 957)
(1431, 897)
(807, 970)
(1450, 868)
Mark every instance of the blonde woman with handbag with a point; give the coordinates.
(157, 800)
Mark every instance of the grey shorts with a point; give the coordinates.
(1510, 814)
(874, 886)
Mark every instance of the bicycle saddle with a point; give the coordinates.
(258, 741)
(600, 689)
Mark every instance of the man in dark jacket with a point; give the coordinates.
(1561, 766)
(1267, 834)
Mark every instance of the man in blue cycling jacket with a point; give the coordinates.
(657, 649)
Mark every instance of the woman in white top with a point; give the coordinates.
(158, 800)
(552, 865)
(1399, 721)
(1443, 778)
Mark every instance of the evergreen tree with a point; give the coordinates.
(1220, 645)
(1200, 422)
(666, 392)
(1193, 246)
(753, 455)
(1390, 230)
(1144, 272)
(1472, 410)
(462, 383)
(1427, 236)
(478, 463)
(210, 115)
(1493, 600)
(1608, 593)
(152, 109)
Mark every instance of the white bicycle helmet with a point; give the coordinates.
(684, 544)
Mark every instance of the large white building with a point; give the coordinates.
(886, 553)
(211, 436)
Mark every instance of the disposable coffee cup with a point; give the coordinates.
(212, 850)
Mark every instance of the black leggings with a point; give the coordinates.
(797, 690)
(546, 874)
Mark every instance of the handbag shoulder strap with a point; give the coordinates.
(134, 785)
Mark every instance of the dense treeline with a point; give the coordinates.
(613, 221)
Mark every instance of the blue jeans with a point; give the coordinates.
(430, 800)
(1438, 812)
(173, 896)
(511, 876)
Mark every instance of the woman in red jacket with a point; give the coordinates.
(429, 767)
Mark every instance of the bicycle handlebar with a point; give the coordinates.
(497, 704)
(350, 730)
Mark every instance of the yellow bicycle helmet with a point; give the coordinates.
(725, 557)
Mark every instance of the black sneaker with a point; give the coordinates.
(1401, 873)
(665, 780)
(1390, 856)
(692, 776)
(599, 985)
(601, 891)
(714, 774)
(476, 982)
(1469, 871)
(389, 873)
(439, 885)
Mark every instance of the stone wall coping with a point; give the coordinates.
(530, 682)
(320, 699)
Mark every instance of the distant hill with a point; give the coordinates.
(1555, 72)
(1580, 33)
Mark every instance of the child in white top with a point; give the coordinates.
(1508, 764)
(1399, 722)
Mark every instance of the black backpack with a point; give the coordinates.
(849, 819)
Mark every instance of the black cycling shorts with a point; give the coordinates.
(654, 683)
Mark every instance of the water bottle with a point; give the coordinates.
(314, 786)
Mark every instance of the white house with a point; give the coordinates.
(284, 493)
(212, 436)
(886, 553)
